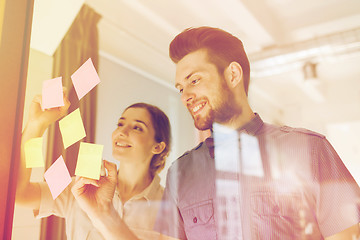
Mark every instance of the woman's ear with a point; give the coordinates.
(234, 74)
(158, 148)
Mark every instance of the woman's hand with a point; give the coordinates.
(44, 117)
(95, 196)
(28, 193)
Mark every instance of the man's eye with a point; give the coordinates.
(195, 81)
(120, 124)
(181, 90)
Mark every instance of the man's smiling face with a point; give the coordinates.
(203, 90)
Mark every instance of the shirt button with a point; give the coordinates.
(195, 220)
(276, 209)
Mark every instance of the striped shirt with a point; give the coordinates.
(262, 182)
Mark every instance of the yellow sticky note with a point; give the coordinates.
(89, 160)
(72, 128)
(33, 153)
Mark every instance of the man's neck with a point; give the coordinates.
(241, 119)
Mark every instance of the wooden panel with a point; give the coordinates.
(14, 54)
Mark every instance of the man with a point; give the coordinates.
(286, 183)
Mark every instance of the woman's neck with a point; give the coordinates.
(132, 180)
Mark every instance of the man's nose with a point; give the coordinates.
(187, 96)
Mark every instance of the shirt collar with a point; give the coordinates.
(250, 128)
(253, 126)
(149, 192)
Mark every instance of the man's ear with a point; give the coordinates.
(234, 74)
(158, 148)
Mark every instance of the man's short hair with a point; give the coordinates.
(222, 48)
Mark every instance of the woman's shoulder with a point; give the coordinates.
(157, 190)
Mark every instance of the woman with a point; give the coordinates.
(131, 195)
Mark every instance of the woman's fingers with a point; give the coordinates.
(67, 103)
(36, 104)
(66, 100)
(37, 99)
(111, 168)
(82, 181)
(65, 91)
(102, 170)
(80, 184)
(89, 181)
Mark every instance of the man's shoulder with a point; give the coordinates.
(270, 129)
(185, 159)
(287, 129)
(191, 150)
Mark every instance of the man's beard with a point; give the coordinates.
(223, 111)
(204, 123)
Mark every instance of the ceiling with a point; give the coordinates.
(279, 35)
(139, 32)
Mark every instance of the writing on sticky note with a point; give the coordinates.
(34, 153)
(85, 78)
(57, 177)
(52, 93)
(89, 160)
(72, 128)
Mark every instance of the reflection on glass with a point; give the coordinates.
(279, 183)
(228, 188)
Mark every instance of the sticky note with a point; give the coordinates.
(33, 153)
(72, 128)
(85, 78)
(89, 160)
(57, 177)
(52, 93)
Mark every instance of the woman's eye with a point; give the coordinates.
(138, 128)
(120, 124)
(181, 90)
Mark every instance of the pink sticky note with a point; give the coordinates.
(57, 177)
(52, 93)
(85, 79)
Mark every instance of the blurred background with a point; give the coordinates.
(304, 57)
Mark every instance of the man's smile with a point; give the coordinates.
(195, 109)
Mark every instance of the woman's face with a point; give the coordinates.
(134, 138)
